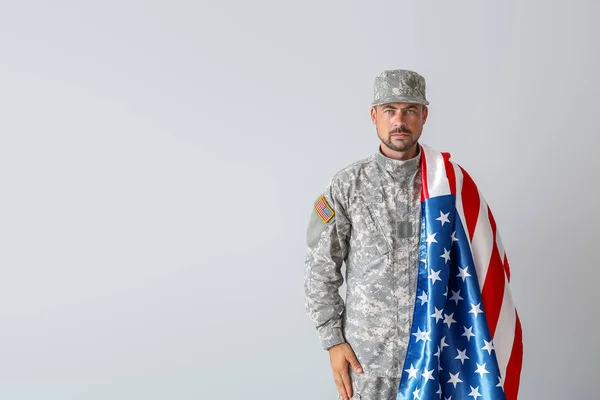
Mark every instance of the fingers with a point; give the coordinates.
(342, 358)
(351, 357)
(339, 383)
(347, 382)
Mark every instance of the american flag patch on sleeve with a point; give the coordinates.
(324, 210)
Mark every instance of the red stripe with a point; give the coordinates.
(493, 287)
(506, 267)
(450, 173)
(492, 222)
(424, 188)
(513, 370)
(470, 199)
(505, 260)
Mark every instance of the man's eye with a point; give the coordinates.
(387, 111)
(410, 111)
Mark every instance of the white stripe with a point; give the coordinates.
(460, 212)
(505, 330)
(499, 244)
(459, 204)
(437, 181)
(483, 242)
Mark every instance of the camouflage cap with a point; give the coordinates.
(399, 85)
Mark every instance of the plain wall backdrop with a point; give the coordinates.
(159, 162)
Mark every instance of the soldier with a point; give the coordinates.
(369, 217)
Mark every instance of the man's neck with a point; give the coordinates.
(400, 155)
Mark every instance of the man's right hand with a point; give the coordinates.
(342, 356)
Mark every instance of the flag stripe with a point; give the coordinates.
(500, 245)
(459, 204)
(513, 371)
(499, 241)
(425, 185)
(482, 242)
(493, 289)
(505, 333)
(470, 196)
(506, 267)
(434, 174)
(449, 172)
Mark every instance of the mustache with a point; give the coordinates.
(401, 129)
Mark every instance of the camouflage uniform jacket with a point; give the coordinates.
(370, 220)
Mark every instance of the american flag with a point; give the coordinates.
(466, 340)
(323, 209)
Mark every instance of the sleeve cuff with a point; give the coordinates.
(330, 337)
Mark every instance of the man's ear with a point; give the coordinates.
(374, 114)
(425, 113)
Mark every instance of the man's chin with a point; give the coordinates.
(401, 149)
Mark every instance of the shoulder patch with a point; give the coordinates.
(323, 209)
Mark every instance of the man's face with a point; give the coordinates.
(399, 125)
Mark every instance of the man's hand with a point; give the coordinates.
(342, 356)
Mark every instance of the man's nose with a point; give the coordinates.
(397, 119)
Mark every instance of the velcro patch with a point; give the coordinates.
(324, 210)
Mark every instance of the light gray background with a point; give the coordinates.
(159, 161)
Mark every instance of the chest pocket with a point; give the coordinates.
(367, 239)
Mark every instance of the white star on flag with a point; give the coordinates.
(412, 372)
(443, 218)
(454, 239)
(454, 379)
(488, 346)
(481, 370)
(416, 393)
(435, 276)
(463, 273)
(500, 383)
(449, 320)
(427, 375)
(476, 309)
(437, 315)
(462, 356)
(422, 335)
(446, 255)
(431, 238)
(443, 343)
(468, 333)
(423, 298)
(456, 296)
(475, 392)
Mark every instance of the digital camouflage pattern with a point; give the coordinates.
(368, 387)
(399, 85)
(375, 231)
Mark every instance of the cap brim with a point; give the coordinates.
(387, 100)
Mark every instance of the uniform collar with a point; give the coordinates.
(399, 166)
